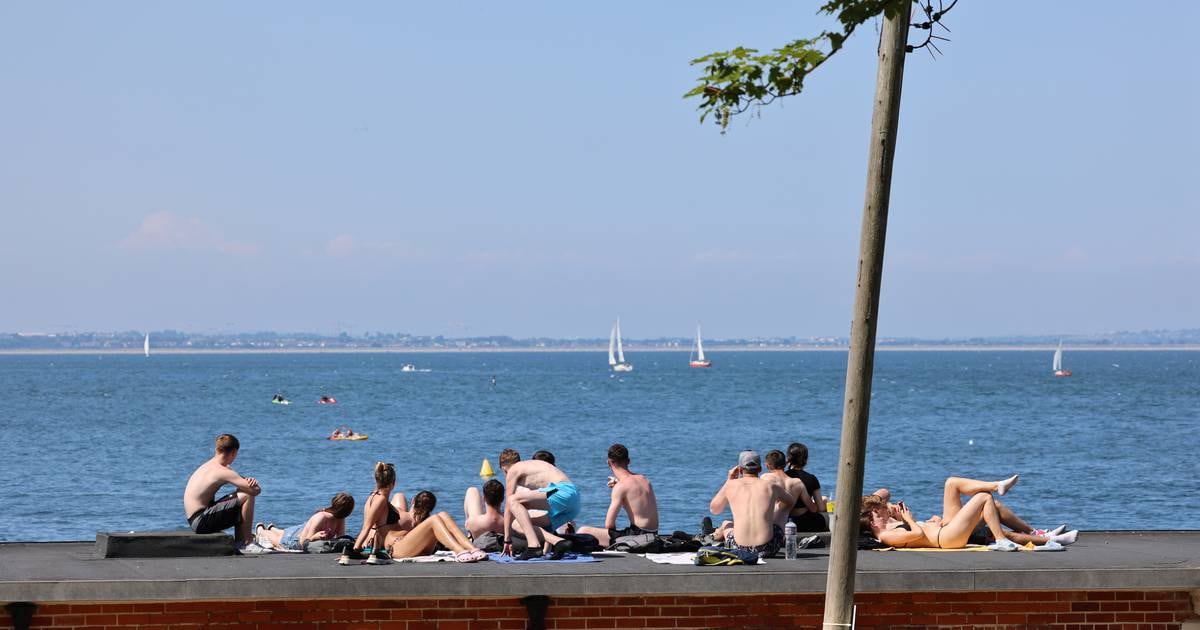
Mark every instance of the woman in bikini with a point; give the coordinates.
(379, 518)
(327, 524)
(419, 531)
(895, 526)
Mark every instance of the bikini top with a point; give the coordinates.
(393, 516)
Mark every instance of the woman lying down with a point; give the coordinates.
(894, 525)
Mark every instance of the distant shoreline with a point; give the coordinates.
(596, 349)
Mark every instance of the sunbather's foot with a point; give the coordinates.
(1049, 532)
(1066, 538)
(465, 556)
(1002, 487)
(559, 549)
(706, 526)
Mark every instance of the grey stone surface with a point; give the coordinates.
(47, 572)
(162, 544)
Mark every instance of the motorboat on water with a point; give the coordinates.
(408, 367)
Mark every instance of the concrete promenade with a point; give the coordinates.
(60, 572)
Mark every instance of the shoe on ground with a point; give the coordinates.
(560, 549)
(252, 549)
(1004, 545)
(379, 556)
(351, 556)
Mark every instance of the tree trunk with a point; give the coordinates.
(843, 553)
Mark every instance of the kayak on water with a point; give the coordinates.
(327, 400)
(353, 438)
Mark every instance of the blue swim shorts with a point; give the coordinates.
(564, 504)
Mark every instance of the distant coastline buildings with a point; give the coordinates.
(263, 341)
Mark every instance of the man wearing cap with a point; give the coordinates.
(752, 501)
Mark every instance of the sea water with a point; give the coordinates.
(107, 442)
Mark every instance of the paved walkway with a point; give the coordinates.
(48, 572)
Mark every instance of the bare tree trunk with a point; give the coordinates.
(843, 554)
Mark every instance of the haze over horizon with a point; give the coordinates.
(532, 170)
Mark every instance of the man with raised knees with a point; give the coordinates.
(207, 514)
(794, 487)
(753, 502)
(632, 493)
(555, 493)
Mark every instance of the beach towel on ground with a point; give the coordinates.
(569, 557)
(1049, 546)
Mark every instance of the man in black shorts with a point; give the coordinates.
(207, 515)
(631, 493)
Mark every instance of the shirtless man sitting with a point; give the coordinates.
(794, 487)
(207, 515)
(485, 520)
(753, 501)
(630, 492)
(555, 493)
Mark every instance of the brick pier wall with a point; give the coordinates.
(1071, 610)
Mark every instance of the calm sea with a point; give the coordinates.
(107, 442)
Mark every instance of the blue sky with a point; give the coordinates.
(530, 169)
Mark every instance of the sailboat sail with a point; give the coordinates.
(146, 345)
(620, 352)
(1058, 358)
(612, 341)
(699, 346)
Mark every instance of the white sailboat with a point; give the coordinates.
(617, 361)
(146, 345)
(1058, 368)
(697, 359)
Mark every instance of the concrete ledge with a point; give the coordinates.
(181, 543)
(59, 572)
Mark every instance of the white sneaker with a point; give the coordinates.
(1004, 545)
(252, 549)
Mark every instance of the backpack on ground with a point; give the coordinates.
(719, 557)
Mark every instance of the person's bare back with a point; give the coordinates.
(535, 474)
(492, 520)
(752, 500)
(202, 486)
(793, 487)
(636, 497)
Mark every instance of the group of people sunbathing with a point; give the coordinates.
(538, 504)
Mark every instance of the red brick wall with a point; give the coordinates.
(1095, 610)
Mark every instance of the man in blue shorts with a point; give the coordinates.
(555, 493)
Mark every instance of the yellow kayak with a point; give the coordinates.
(355, 437)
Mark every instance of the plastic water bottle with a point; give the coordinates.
(789, 541)
(729, 543)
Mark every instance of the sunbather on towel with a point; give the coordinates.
(327, 524)
(429, 530)
(555, 493)
(952, 529)
(483, 510)
(632, 493)
(1021, 531)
